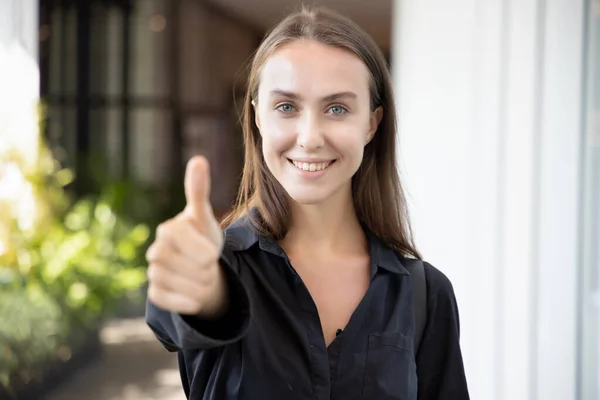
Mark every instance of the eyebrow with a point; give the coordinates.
(330, 97)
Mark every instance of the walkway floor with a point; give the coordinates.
(134, 366)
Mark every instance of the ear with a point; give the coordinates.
(256, 117)
(374, 121)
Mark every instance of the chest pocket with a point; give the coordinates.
(391, 372)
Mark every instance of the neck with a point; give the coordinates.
(325, 228)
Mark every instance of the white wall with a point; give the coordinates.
(489, 97)
(19, 77)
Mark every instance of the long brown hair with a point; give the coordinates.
(378, 196)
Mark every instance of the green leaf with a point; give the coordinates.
(77, 295)
(8, 275)
(64, 256)
(104, 215)
(127, 251)
(140, 234)
(131, 278)
(64, 177)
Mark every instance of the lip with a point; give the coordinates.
(311, 174)
(311, 160)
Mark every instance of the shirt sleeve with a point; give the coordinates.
(185, 332)
(440, 367)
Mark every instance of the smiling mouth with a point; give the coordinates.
(311, 167)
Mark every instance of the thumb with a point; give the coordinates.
(197, 187)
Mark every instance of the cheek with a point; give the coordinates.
(348, 141)
(277, 136)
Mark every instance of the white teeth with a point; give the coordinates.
(312, 167)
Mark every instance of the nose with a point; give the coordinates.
(310, 134)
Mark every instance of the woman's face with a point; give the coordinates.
(313, 112)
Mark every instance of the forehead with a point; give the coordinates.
(311, 69)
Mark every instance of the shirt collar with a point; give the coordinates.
(383, 256)
(241, 236)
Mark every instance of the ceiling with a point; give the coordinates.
(373, 15)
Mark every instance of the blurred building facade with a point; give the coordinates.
(143, 85)
(498, 115)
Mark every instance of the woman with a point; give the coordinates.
(306, 294)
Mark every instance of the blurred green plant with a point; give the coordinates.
(64, 264)
(28, 339)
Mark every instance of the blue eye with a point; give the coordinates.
(286, 108)
(338, 110)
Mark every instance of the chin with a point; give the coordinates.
(312, 195)
(306, 198)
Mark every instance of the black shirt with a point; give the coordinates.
(270, 345)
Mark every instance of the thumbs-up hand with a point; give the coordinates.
(198, 209)
(184, 273)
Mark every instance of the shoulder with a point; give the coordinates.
(237, 237)
(441, 298)
(437, 282)
(240, 235)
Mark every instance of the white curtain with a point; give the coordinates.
(490, 118)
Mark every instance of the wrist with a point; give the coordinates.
(217, 304)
